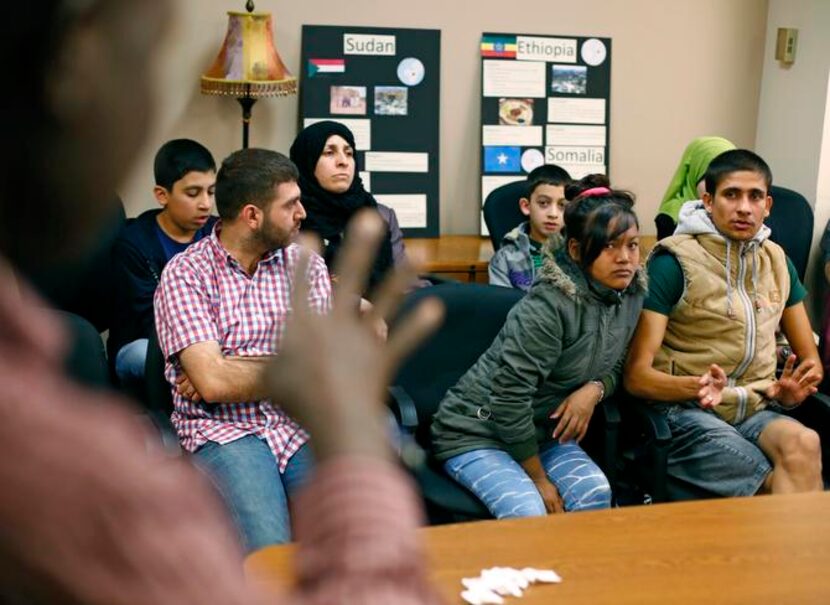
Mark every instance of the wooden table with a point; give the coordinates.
(764, 551)
(461, 257)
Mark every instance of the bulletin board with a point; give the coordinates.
(544, 100)
(384, 85)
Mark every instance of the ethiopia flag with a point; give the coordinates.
(326, 66)
(498, 46)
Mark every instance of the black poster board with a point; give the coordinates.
(384, 84)
(544, 99)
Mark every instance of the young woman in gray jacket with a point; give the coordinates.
(510, 429)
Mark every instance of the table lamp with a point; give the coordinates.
(248, 65)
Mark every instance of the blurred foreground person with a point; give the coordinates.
(91, 511)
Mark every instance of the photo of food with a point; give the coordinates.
(391, 100)
(570, 79)
(515, 112)
(348, 100)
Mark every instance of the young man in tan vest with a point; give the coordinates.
(704, 349)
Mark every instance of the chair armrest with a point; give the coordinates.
(814, 412)
(652, 420)
(823, 400)
(410, 453)
(435, 279)
(404, 408)
(610, 411)
(646, 439)
(655, 460)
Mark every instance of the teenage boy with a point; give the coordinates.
(705, 344)
(185, 175)
(515, 264)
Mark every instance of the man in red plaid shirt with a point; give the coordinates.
(221, 310)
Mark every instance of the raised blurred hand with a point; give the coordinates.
(333, 370)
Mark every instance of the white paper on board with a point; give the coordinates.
(521, 136)
(577, 171)
(369, 44)
(576, 111)
(554, 50)
(559, 134)
(396, 161)
(411, 208)
(488, 183)
(366, 177)
(361, 129)
(513, 78)
(560, 154)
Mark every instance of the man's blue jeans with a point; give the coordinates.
(130, 361)
(506, 490)
(256, 494)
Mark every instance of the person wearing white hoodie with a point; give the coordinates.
(704, 349)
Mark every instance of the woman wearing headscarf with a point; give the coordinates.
(684, 184)
(332, 192)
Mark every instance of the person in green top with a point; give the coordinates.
(687, 182)
(509, 430)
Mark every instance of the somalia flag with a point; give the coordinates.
(502, 159)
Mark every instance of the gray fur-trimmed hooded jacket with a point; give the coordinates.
(565, 332)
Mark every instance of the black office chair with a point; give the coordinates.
(474, 314)
(791, 223)
(644, 434)
(501, 210)
(85, 360)
(84, 286)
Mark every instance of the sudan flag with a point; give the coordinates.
(326, 66)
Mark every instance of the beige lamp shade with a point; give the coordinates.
(248, 64)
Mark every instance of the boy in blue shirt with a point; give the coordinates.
(515, 264)
(185, 174)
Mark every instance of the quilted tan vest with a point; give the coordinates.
(729, 323)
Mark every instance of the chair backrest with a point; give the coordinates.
(474, 314)
(86, 360)
(501, 210)
(84, 287)
(791, 222)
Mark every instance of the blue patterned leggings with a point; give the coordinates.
(505, 489)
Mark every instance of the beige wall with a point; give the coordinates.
(791, 109)
(793, 127)
(681, 68)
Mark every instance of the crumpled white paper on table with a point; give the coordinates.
(494, 583)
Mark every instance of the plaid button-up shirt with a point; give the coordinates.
(205, 295)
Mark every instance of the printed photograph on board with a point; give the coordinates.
(515, 112)
(391, 100)
(569, 79)
(348, 100)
